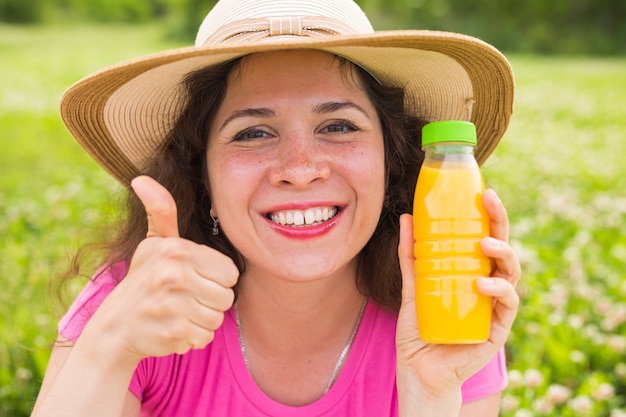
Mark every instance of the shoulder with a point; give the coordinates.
(375, 341)
(383, 320)
(487, 382)
(89, 299)
(204, 379)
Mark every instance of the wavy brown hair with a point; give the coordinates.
(180, 166)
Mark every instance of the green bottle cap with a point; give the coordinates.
(449, 131)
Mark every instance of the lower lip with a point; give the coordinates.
(306, 232)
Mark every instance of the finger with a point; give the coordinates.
(214, 296)
(160, 207)
(195, 337)
(506, 261)
(215, 266)
(206, 319)
(500, 289)
(506, 306)
(499, 224)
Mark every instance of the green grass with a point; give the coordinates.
(559, 170)
(52, 196)
(561, 174)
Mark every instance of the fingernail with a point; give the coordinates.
(496, 197)
(493, 243)
(486, 282)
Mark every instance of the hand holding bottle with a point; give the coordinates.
(433, 373)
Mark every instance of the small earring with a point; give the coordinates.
(216, 223)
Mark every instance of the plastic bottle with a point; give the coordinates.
(449, 223)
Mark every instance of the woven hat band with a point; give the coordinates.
(254, 30)
(232, 21)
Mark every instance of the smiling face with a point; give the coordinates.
(296, 165)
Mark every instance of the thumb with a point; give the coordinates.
(407, 259)
(407, 332)
(160, 207)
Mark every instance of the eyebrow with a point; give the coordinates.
(323, 108)
(256, 112)
(333, 106)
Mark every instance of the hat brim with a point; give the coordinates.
(122, 113)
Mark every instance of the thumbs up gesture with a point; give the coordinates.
(175, 293)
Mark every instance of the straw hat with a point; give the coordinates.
(122, 113)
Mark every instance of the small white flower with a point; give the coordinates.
(604, 392)
(23, 374)
(524, 413)
(577, 356)
(581, 404)
(509, 403)
(543, 406)
(533, 378)
(592, 332)
(618, 413)
(558, 394)
(516, 379)
(617, 343)
(533, 328)
(575, 321)
(555, 318)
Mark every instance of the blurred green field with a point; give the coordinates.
(560, 170)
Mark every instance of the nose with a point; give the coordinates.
(300, 161)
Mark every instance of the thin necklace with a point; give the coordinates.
(340, 360)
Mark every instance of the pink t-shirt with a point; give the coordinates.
(214, 381)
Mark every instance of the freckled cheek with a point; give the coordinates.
(376, 185)
(233, 181)
(369, 167)
(368, 181)
(367, 177)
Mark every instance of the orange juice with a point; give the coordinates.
(449, 223)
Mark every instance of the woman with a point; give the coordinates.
(274, 273)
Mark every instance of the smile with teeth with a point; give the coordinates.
(308, 217)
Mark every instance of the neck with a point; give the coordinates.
(295, 333)
(299, 309)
